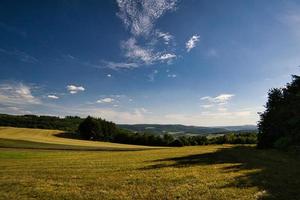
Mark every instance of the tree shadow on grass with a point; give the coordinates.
(69, 135)
(275, 173)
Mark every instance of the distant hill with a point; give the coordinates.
(182, 129)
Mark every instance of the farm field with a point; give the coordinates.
(41, 138)
(36, 164)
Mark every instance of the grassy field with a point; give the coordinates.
(42, 137)
(204, 172)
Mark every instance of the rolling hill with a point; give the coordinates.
(54, 139)
(182, 129)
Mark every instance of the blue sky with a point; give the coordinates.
(192, 62)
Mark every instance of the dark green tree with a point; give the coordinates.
(279, 124)
(90, 128)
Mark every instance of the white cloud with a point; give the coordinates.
(106, 100)
(167, 37)
(140, 15)
(17, 93)
(137, 53)
(191, 43)
(167, 56)
(108, 75)
(73, 89)
(220, 99)
(52, 96)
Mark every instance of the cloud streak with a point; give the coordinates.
(220, 99)
(191, 43)
(17, 93)
(20, 55)
(52, 96)
(106, 100)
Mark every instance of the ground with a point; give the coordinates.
(32, 168)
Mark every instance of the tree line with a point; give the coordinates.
(99, 129)
(94, 129)
(68, 123)
(279, 124)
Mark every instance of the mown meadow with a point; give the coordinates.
(119, 172)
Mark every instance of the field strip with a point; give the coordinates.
(50, 137)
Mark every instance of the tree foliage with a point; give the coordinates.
(279, 124)
(99, 129)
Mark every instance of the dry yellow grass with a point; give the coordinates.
(220, 172)
(50, 136)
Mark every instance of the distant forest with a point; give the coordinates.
(68, 123)
(99, 129)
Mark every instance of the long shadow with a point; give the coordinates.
(23, 144)
(69, 135)
(275, 173)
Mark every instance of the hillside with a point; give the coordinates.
(24, 137)
(182, 129)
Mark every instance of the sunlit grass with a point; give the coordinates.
(50, 136)
(201, 172)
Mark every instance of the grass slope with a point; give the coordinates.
(33, 169)
(204, 172)
(43, 138)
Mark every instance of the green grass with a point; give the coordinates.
(218, 172)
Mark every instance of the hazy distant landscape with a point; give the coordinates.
(181, 129)
(150, 100)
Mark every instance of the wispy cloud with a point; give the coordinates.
(220, 99)
(17, 93)
(73, 89)
(52, 96)
(191, 43)
(218, 118)
(139, 16)
(119, 65)
(137, 53)
(167, 56)
(106, 100)
(167, 37)
(20, 55)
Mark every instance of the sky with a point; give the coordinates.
(192, 62)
